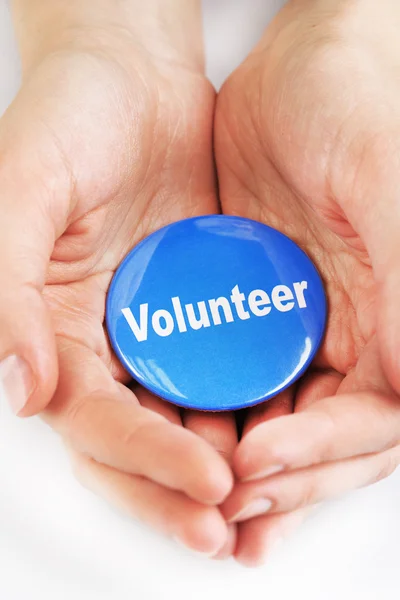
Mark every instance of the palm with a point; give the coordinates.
(130, 146)
(265, 195)
(285, 157)
(276, 172)
(134, 163)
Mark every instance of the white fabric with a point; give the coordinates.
(58, 542)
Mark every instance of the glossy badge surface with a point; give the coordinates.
(216, 313)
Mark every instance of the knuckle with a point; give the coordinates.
(133, 437)
(328, 430)
(75, 417)
(300, 494)
(80, 413)
(308, 494)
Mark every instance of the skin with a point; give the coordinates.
(307, 140)
(109, 139)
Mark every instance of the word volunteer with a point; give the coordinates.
(214, 311)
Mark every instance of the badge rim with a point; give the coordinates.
(170, 397)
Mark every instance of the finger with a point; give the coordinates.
(228, 549)
(198, 527)
(259, 538)
(333, 428)
(104, 420)
(262, 413)
(277, 407)
(291, 491)
(315, 386)
(155, 404)
(34, 202)
(336, 428)
(218, 429)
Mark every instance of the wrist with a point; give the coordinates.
(168, 29)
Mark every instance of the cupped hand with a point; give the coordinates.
(106, 142)
(307, 141)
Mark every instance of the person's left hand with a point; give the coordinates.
(307, 141)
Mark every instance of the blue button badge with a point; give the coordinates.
(216, 313)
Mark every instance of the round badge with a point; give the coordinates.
(216, 312)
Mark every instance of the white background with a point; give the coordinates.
(59, 542)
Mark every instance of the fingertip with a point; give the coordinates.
(248, 561)
(242, 463)
(228, 549)
(260, 538)
(41, 396)
(252, 455)
(43, 392)
(28, 364)
(221, 482)
(210, 479)
(17, 383)
(206, 533)
(250, 550)
(25, 392)
(270, 447)
(255, 544)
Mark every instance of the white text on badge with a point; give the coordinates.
(216, 310)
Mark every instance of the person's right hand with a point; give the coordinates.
(106, 142)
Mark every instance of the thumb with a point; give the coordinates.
(28, 229)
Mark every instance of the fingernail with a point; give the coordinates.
(16, 382)
(272, 470)
(255, 508)
(182, 544)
